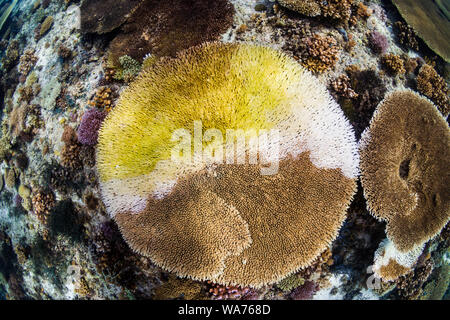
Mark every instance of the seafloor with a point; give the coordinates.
(56, 239)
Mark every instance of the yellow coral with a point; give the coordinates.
(226, 222)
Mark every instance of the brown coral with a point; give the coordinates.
(27, 62)
(321, 53)
(43, 202)
(176, 288)
(103, 99)
(103, 16)
(406, 36)
(432, 85)
(409, 286)
(392, 271)
(393, 64)
(310, 8)
(232, 225)
(209, 209)
(164, 28)
(70, 153)
(338, 10)
(405, 156)
(342, 86)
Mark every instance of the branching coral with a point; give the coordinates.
(43, 202)
(405, 157)
(321, 53)
(70, 153)
(27, 62)
(11, 56)
(406, 36)
(103, 99)
(393, 64)
(339, 10)
(168, 210)
(342, 86)
(432, 85)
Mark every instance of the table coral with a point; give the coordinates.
(190, 196)
(404, 168)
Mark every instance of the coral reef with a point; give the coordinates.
(403, 168)
(69, 67)
(166, 89)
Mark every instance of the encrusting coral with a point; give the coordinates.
(231, 223)
(405, 156)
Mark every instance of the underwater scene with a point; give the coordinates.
(224, 150)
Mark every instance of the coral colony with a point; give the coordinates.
(224, 150)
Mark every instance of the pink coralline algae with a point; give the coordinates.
(378, 42)
(89, 126)
(305, 292)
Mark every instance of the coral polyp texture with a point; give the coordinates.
(405, 156)
(213, 219)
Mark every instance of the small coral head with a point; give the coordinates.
(209, 217)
